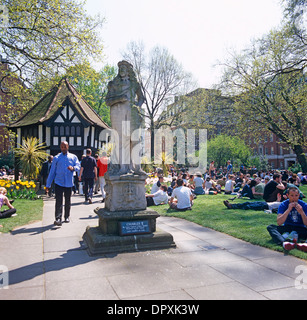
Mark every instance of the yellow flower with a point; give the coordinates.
(8, 185)
(17, 187)
(13, 183)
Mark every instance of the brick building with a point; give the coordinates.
(279, 155)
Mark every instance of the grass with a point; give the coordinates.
(208, 211)
(27, 211)
(248, 225)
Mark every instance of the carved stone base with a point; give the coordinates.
(126, 231)
(125, 192)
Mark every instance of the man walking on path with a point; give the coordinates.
(89, 171)
(62, 170)
(102, 165)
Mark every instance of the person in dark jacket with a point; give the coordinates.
(89, 172)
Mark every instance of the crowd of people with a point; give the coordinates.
(273, 191)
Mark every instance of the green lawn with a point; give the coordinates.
(27, 211)
(209, 211)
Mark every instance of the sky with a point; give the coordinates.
(198, 33)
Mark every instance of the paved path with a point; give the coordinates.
(47, 262)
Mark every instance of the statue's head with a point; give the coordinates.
(124, 68)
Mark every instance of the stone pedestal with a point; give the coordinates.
(125, 192)
(126, 231)
(125, 224)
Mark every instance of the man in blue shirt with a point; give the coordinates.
(62, 169)
(291, 218)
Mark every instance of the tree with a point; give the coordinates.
(44, 38)
(269, 85)
(91, 85)
(161, 78)
(295, 11)
(223, 148)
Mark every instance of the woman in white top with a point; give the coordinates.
(230, 184)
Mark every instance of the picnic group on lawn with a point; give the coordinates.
(273, 192)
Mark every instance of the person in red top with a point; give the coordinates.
(102, 165)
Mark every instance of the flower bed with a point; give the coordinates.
(19, 189)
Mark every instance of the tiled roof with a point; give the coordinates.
(48, 106)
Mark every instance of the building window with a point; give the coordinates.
(78, 131)
(61, 131)
(73, 131)
(271, 137)
(272, 150)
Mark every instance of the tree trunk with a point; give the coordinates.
(301, 157)
(152, 142)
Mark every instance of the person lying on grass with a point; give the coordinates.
(255, 205)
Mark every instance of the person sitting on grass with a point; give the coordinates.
(291, 217)
(272, 188)
(210, 185)
(157, 198)
(248, 190)
(5, 201)
(182, 197)
(198, 184)
(229, 185)
(156, 186)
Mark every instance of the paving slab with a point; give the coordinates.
(49, 263)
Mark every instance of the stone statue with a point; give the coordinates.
(125, 98)
(125, 222)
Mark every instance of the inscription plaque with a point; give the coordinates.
(129, 228)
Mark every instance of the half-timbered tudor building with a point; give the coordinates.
(62, 115)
